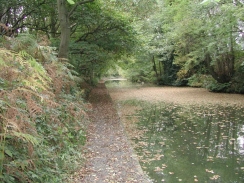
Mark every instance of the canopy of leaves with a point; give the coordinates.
(99, 37)
(199, 38)
(186, 37)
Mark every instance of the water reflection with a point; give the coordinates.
(240, 140)
(121, 84)
(192, 143)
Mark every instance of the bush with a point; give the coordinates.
(200, 80)
(42, 115)
(220, 87)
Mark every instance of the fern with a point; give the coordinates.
(34, 76)
(25, 42)
(2, 63)
(38, 68)
(26, 137)
(48, 53)
(34, 118)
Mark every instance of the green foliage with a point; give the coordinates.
(101, 37)
(137, 69)
(42, 115)
(200, 80)
(23, 71)
(205, 2)
(219, 87)
(194, 39)
(186, 37)
(61, 140)
(70, 1)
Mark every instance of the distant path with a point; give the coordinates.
(116, 79)
(103, 80)
(179, 95)
(110, 158)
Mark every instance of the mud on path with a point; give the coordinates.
(109, 156)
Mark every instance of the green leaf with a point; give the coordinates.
(70, 76)
(71, 2)
(8, 152)
(205, 2)
(209, 1)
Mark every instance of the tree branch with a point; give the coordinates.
(24, 14)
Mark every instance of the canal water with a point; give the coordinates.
(190, 143)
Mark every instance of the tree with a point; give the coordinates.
(200, 38)
(16, 15)
(100, 37)
(139, 66)
(64, 19)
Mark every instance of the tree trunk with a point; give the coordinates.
(64, 28)
(154, 67)
(223, 68)
(160, 68)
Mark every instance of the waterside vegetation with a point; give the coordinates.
(49, 49)
(42, 114)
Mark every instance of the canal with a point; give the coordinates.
(183, 134)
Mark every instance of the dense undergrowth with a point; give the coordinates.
(42, 114)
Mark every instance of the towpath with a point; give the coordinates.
(109, 156)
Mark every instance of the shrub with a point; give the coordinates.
(42, 115)
(219, 87)
(200, 80)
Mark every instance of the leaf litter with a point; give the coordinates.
(109, 155)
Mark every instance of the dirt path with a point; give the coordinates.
(110, 158)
